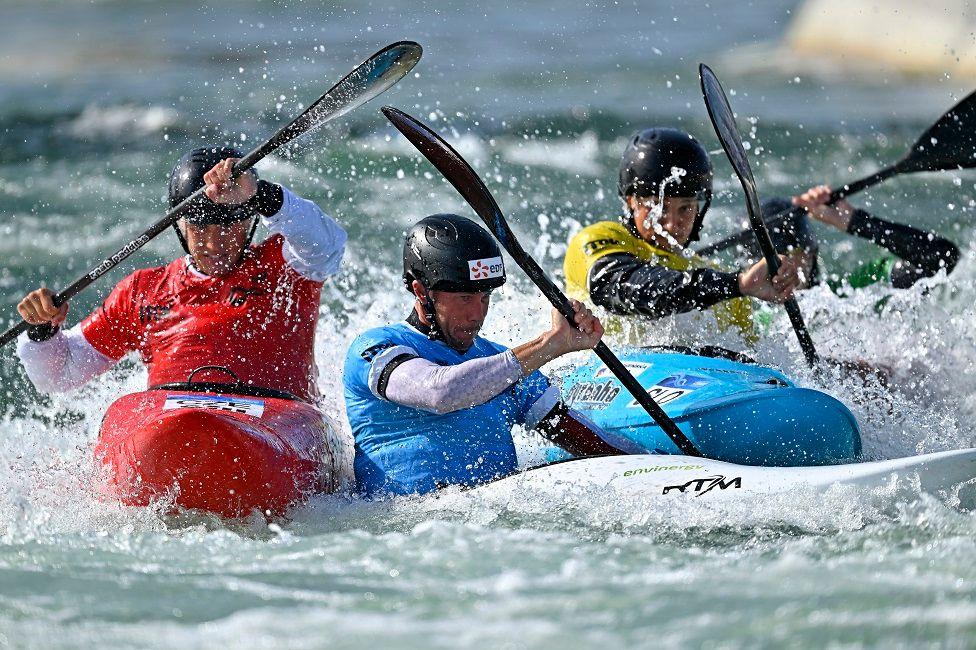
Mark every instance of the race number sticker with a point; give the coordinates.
(243, 405)
(671, 388)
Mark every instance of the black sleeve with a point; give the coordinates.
(268, 199)
(624, 284)
(922, 253)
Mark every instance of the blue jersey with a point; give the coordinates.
(404, 450)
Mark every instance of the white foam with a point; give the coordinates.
(575, 155)
(124, 119)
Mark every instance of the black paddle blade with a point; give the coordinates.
(720, 113)
(457, 171)
(950, 143)
(372, 77)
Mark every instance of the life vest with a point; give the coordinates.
(258, 321)
(405, 450)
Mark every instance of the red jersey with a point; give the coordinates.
(259, 322)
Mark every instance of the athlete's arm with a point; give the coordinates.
(400, 375)
(923, 254)
(314, 242)
(625, 284)
(63, 362)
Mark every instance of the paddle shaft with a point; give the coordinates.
(606, 355)
(792, 308)
(354, 89)
(111, 262)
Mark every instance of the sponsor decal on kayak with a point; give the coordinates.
(635, 368)
(671, 388)
(662, 468)
(243, 405)
(488, 267)
(593, 394)
(702, 486)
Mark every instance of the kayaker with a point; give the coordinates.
(641, 265)
(249, 308)
(430, 402)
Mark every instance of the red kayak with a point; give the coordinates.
(227, 449)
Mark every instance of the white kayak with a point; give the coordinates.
(654, 477)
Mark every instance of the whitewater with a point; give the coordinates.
(84, 154)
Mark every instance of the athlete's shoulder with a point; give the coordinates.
(147, 280)
(373, 341)
(270, 250)
(602, 238)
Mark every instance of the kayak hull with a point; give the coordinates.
(735, 412)
(654, 478)
(227, 455)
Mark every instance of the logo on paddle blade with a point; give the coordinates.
(703, 485)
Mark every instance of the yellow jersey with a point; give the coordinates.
(612, 238)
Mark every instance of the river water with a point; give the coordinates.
(97, 99)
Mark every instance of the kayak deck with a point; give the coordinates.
(738, 412)
(224, 454)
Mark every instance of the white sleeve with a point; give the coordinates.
(63, 362)
(314, 242)
(399, 375)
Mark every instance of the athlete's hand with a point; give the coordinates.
(220, 187)
(37, 308)
(564, 338)
(815, 200)
(755, 281)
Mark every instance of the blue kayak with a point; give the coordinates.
(732, 411)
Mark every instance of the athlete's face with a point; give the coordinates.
(668, 228)
(459, 315)
(216, 248)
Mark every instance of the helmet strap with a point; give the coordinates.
(250, 235)
(430, 313)
(179, 235)
(627, 218)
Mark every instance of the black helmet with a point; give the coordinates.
(648, 163)
(446, 252)
(187, 177)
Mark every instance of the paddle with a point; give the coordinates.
(464, 179)
(369, 79)
(723, 122)
(950, 143)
